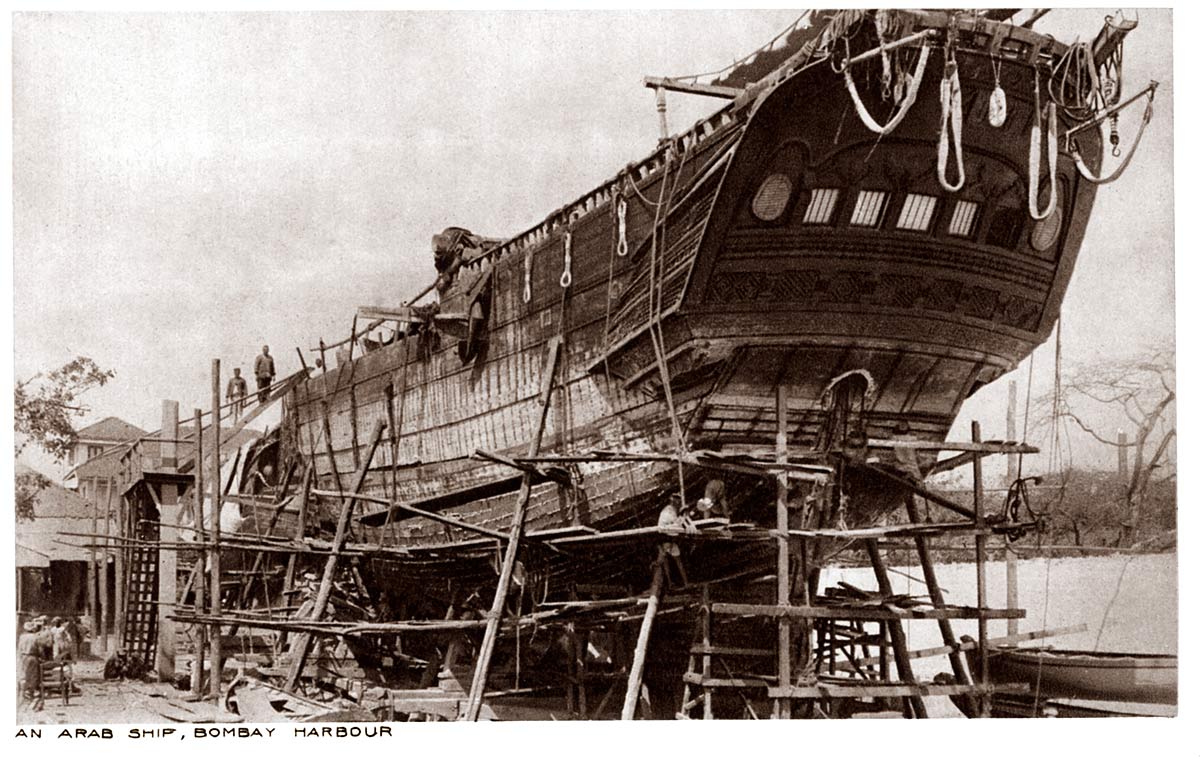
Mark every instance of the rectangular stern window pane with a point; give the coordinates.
(917, 212)
(820, 206)
(868, 208)
(962, 223)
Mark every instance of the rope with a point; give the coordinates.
(1035, 155)
(657, 339)
(951, 118)
(1086, 173)
(564, 281)
(1076, 70)
(1112, 601)
(527, 292)
(622, 240)
(910, 97)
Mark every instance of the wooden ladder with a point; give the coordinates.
(140, 633)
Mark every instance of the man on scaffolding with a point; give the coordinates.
(264, 373)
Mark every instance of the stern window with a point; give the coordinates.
(868, 208)
(962, 223)
(821, 205)
(917, 212)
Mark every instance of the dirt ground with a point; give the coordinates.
(101, 701)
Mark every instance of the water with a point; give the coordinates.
(1129, 602)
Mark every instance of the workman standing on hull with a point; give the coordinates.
(264, 373)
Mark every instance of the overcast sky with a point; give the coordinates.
(194, 186)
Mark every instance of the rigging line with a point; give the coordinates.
(794, 25)
(659, 349)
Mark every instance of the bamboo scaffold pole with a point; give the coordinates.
(783, 589)
(935, 596)
(304, 642)
(215, 549)
(198, 514)
(985, 699)
(638, 666)
(483, 664)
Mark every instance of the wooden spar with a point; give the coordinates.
(985, 700)
(104, 605)
(935, 596)
(691, 88)
(783, 589)
(218, 662)
(916, 488)
(634, 687)
(417, 511)
(1010, 557)
(301, 517)
(896, 632)
(966, 646)
(483, 664)
(343, 529)
(198, 515)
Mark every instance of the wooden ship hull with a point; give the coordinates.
(1078, 674)
(779, 248)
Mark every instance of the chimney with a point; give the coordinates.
(170, 432)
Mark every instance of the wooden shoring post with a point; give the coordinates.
(1010, 556)
(985, 699)
(304, 643)
(93, 605)
(783, 588)
(935, 596)
(483, 664)
(301, 523)
(327, 431)
(289, 577)
(706, 662)
(256, 568)
(119, 568)
(198, 514)
(218, 662)
(896, 631)
(638, 666)
(303, 362)
(353, 395)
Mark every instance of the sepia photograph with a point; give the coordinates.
(392, 366)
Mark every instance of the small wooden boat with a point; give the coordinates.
(1075, 674)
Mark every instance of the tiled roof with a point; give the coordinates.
(111, 429)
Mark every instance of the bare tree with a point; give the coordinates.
(1140, 391)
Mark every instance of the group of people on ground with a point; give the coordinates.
(264, 376)
(43, 641)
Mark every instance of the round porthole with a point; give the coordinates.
(1046, 231)
(772, 197)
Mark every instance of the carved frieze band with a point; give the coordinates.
(816, 288)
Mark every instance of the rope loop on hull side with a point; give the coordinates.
(910, 97)
(1086, 172)
(951, 94)
(565, 280)
(1035, 153)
